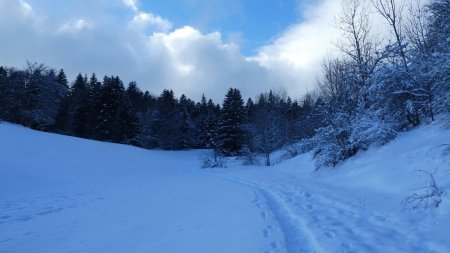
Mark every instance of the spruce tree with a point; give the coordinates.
(166, 124)
(62, 78)
(108, 107)
(79, 107)
(230, 133)
(127, 124)
(208, 131)
(94, 89)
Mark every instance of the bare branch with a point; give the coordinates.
(430, 196)
(393, 14)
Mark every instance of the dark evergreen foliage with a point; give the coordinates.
(230, 134)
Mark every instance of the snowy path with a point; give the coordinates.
(357, 207)
(312, 220)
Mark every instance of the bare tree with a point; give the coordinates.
(359, 42)
(416, 27)
(267, 125)
(334, 75)
(392, 12)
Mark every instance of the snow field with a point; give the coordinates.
(63, 194)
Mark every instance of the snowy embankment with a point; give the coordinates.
(63, 194)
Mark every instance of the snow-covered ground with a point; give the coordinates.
(63, 194)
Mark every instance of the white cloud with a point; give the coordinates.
(144, 20)
(145, 49)
(300, 50)
(132, 4)
(26, 8)
(194, 63)
(19, 11)
(75, 26)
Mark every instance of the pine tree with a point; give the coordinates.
(60, 125)
(127, 124)
(62, 78)
(208, 131)
(94, 88)
(292, 115)
(187, 127)
(249, 110)
(79, 108)
(12, 95)
(203, 102)
(108, 109)
(135, 97)
(166, 125)
(230, 133)
(6, 97)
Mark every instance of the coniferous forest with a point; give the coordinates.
(365, 96)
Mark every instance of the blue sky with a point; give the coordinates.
(190, 46)
(250, 23)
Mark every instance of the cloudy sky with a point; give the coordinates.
(190, 46)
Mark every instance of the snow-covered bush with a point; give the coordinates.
(291, 151)
(214, 160)
(332, 145)
(335, 143)
(368, 130)
(248, 156)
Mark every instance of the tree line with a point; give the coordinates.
(40, 97)
(367, 93)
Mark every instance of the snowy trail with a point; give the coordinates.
(297, 237)
(313, 221)
(357, 206)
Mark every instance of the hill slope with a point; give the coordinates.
(63, 194)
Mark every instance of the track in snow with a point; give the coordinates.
(313, 222)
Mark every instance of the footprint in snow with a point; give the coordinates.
(274, 245)
(346, 246)
(24, 218)
(329, 234)
(380, 218)
(5, 240)
(263, 214)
